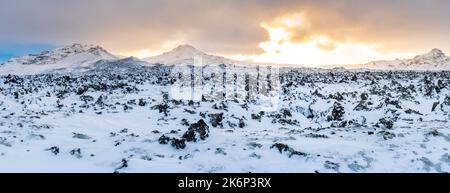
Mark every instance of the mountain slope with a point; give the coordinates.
(68, 57)
(433, 60)
(186, 54)
(130, 64)
(89, 57)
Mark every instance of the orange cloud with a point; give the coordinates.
(295, 39)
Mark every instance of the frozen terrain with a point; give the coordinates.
(132, 116)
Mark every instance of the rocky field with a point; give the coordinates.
(150, 119)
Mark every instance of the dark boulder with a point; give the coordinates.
(197, 131)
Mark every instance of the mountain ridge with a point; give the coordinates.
(52, 56)
(187, 54)
(432, 60)
(68, 57)
(82, 56)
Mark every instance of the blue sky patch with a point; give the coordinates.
(8, 51)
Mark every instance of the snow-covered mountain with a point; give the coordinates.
(69, 57)
(77, 57)
(433, 60)
(187, 54)
(89, 57)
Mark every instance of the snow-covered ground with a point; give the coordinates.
(133, 121)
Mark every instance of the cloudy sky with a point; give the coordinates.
(284, 31)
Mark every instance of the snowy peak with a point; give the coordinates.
(182, 52)
(69, 57)
(75, 52)
(186, 55)
(186, 49)
(433, 60)
(80, 48)
(434, 53)
(435, 56)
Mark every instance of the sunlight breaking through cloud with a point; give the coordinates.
(293, 41)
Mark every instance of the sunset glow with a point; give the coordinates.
(140, 53)
(288, 46)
